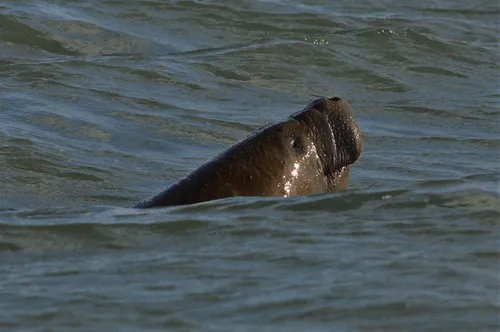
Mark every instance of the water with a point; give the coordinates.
(104, 103)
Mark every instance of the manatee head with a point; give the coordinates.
(322, 140)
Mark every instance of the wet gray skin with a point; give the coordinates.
(308, 153)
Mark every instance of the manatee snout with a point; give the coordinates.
(346, 132)
(309, 152)
(337, 136)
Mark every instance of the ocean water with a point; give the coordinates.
(104, 103)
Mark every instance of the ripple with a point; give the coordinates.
(26, 35)
(435, 70)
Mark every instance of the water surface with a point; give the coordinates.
(104, 103)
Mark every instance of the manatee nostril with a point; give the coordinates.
(335, 99)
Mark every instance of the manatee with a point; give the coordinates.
(310, 152)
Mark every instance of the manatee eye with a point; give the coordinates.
(298, 144)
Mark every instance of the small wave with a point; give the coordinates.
(31, 37)
(435, 71)
(65, 34)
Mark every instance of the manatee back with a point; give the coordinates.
(251, 167)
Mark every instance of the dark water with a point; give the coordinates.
(104, 103)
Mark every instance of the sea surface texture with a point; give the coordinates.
(106, 102)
